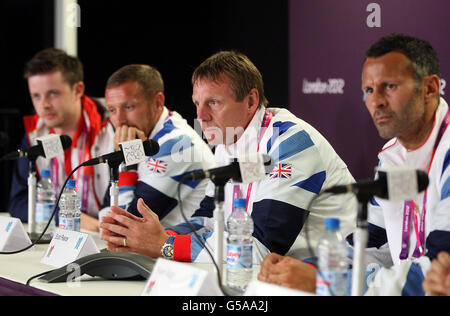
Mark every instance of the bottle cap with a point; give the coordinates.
(240, 203)
(71, 184)
(332, 223)
(45, 173)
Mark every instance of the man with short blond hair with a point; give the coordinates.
(135, 101)
(228, 93)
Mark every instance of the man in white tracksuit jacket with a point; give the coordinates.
(228, 93)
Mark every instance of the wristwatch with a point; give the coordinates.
(167, 249)
(123, 167)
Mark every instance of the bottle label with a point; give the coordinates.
(77, 224)
(44, 212)
(335, 281)
(239, 256)
(73, 224)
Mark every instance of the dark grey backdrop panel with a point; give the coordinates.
(328, 40)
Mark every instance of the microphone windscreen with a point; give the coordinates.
(66, 141)
(422, 180)
(151, 147)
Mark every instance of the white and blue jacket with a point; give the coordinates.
(305, 164)
(405, 277)
(157, 179)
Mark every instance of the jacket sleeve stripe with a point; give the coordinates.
(158, 202)
(414, 280)
(279, 128)
(377, 237)
(174, 146)
(128, 178)
(446, 162)
(206, 209)
(182, 248)
(314, 183)
(184, 228)
(277, 224)
(292, 146)
(192, 184)
(446, 189)
(196, 246)
(168, 128)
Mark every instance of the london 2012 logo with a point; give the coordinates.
(331, 86)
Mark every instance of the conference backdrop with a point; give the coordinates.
(328, 40)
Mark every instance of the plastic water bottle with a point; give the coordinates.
(70, 208)
(45, 203)
(240, 247)
(332, 252)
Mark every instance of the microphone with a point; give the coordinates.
(381, 188)
(151, 147)
(37, 150)
(237, 170)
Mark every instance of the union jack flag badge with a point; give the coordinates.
(281, 171)
(157, 166)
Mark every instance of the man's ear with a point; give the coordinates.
(253, 100)
(431, 86)
(79, 88)
(160, 99)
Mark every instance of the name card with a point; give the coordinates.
(68, 246)
(258, 288)
(12, 235)
(133, 152)
(52, 146)
(170, 278)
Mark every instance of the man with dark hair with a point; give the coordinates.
(400, 81)
(424, 60)
(229, 96)
(55, 82)
(135, 101)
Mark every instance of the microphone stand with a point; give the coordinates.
(114, 189)
(219, 221)
(360, 240)
(32, 198)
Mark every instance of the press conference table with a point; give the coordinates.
(20, 267)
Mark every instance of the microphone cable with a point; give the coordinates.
(49, 221)
(225, 292)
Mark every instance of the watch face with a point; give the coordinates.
(168, 251)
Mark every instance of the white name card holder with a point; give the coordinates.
(258, 288)
(68, 246)
(170, 278)
(12, 235)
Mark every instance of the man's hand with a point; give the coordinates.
(437, 280)
(288, 272)
(145, 235)
(126, 133)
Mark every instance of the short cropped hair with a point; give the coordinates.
(420, 52)
(238, 68)
(148, 78)
(50, 60)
